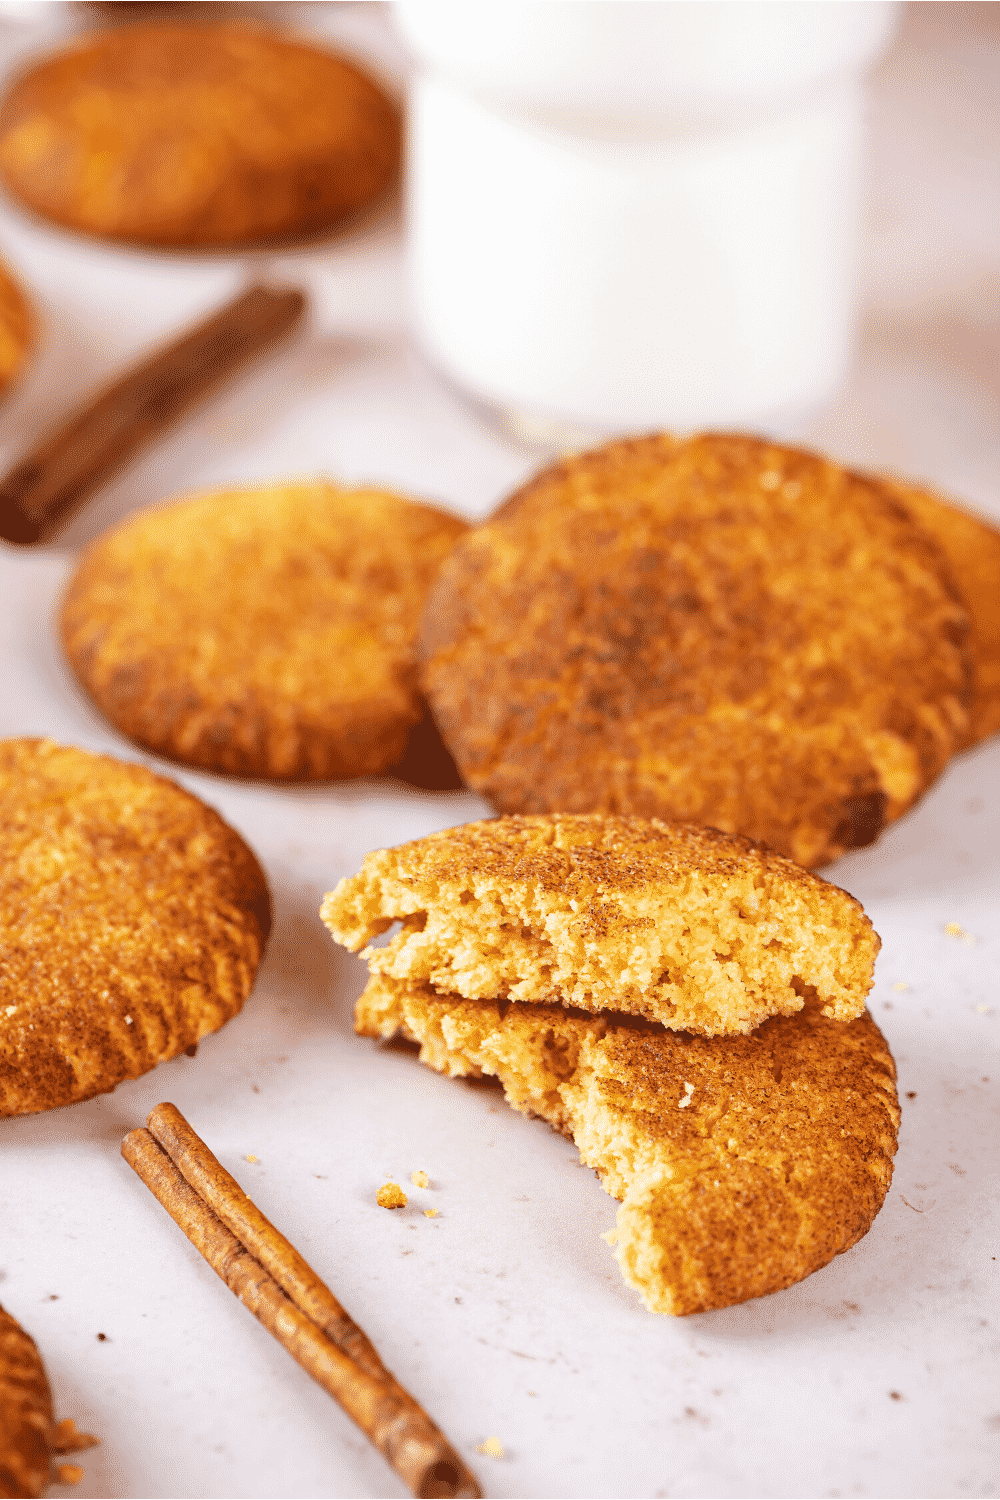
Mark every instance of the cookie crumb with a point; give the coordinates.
(251, 1158)
(900, 987)
(390, 1195)
(420, 1179)
(430, 1213)
(493, 1448)
(953, 929)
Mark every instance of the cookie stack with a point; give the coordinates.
(687, 1006)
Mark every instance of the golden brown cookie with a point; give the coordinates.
(261, 632)
(972, 547)
(17, 335)
(699, 930)
(721, 631)
(196, 136)
(742, 1163)
(29, 1437)
(132, 921)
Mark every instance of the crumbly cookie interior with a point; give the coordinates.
(742, 1164)
(685, 926)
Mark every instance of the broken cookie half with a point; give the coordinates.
(578, 958)
(742, 1163)
(698, 930)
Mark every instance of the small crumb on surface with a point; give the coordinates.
(899, 987)
(102, 1338)
(430, 1213)
(954, 930)
(251, 1158)
(493, 1448)
(895, 1396)
(390, 1195)
(420, 1179)
(911, 1093)
(983, 1010)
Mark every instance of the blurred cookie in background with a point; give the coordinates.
(971, 546)
(29, 1435)
(17, 328)
(722, 630)
(265, 632)
(197, 137)
(132, 922)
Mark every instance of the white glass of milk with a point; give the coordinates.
(637, 214)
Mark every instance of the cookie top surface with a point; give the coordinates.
(25, 1412)
(721, 630)
(16, 328)
(196, 136)
(686, 926)
(971, 546)
(132, 921)
(261, 632)
(744, 1163)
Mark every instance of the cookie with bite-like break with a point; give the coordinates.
(742, 1163)
(698, 930)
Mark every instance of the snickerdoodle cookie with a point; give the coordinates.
(196, 136)
(16, 328)
(722, 630)
(132, 921)
(971, 546)
(261, 632)
(699, 930)
(742, 1163)
(29, 1436)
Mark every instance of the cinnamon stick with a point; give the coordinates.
(284, 1293)
(42, 488)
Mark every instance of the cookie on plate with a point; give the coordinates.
(16, 328)
(261, 632)
(132, 921)
(722, 631)
(972, 547)
(742, 1163)
(196, 136)
(696, 929)
(29, 1437)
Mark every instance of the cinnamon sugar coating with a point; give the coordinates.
(971, 546)
(132, 922)
(25, 1413)
(696, 929)
(196, 136)
(742, 1163)
(261, 632)
(723, 630)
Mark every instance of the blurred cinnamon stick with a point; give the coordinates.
(273, 1281)
(42, 488)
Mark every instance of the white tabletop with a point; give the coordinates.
(505, 1314)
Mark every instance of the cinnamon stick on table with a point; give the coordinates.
(271, 1278)
(43, 487)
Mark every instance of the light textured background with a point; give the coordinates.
(505, 1315)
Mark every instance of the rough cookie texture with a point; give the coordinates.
(261, 632)
(723, 630)
(743, 1164)
(132, 921)
(196, 136)
(699, 930)
(971, 546)
(25, 1413)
